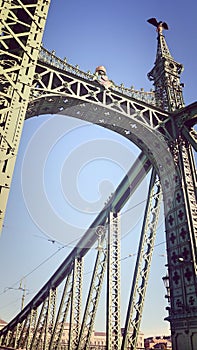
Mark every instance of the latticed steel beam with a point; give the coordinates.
(41, 332)
(143, 264)
(31, 329)
(23, 333)
(22, 25)
(55, 90)
(136, 174)
(7, 340)
(134, 177)
(61, 64)
(50, 319)
(20, 48)
(56, 81)
(94, 292)
(17, 333)
(62, 313)
(75, 314)
(113, 283)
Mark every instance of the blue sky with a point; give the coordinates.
(58, 179)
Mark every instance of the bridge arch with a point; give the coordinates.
(131, 118)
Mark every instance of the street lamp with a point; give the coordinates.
(167, 286)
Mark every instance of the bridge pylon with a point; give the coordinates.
(180, 205)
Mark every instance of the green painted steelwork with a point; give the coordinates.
(143, 264)
(158, 123)
(113, 283)
(22, 27)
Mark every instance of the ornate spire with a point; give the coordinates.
(166, 73)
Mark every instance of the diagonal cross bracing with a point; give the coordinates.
(132, 179)
(143, 264)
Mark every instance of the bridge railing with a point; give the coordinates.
(52, 59)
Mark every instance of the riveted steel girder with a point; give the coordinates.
(75, 314)
(113, 283)
(62, 314)
(22, 24)
(44, 326)
(143, 264)
(31, 329)
(134, 177)
(94, 293)
(21, 338)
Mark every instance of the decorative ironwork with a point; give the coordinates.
(34, 81)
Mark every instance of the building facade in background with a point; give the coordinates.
(158, 342)
(98, 339)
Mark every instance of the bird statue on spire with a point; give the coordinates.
(159, 25)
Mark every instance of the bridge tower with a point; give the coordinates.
(180, 209)
(166, 73)
(28, 84)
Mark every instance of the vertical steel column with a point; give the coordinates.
(8, 338)
(17, 334)
(22, 334)
(113, 283)
(26, 330)
(50, 318)
(62, 313)
(75, 314)
(32, 327)
(22, 24)
(143, 264)
(38, 339)
(94, 294)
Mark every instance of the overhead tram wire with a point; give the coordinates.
(69, 245)
(37, 267)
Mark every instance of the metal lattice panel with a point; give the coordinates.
(94, 291)
(76, 299)
(22, 25)
(113, 281)
(143, 264)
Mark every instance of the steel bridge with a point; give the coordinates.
(34, 82)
